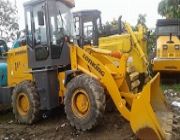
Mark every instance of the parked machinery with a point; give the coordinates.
(50, 70)
(89, 31)
(167, 58)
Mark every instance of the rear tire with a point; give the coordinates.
(26, 103)
(84, 102)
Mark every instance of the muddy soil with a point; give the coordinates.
(56, 126)
(173, 99)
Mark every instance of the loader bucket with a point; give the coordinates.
(150, 116)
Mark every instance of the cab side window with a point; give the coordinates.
(29, 28)
(40, 30)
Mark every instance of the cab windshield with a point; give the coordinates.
(166, 30)
(61, 21)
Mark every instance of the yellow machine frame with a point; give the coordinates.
(18, 70)
(132, 43)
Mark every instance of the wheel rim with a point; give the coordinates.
(80, 103)
(23, 104)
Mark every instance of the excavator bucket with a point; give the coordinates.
(150, 115)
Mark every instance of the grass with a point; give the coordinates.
(175, 87)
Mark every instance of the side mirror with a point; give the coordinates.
(40, 18)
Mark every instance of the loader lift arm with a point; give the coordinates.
(137, 45)
(99, 70)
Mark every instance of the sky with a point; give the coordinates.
(129, 9)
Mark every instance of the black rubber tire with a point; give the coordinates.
(97, 100)
(33, 114)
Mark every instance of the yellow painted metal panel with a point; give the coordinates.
(169, 65)
(18, 70)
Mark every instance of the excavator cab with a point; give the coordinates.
(88, 27)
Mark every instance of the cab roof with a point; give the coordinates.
(166, 22)
(69, 3)
(87, 13)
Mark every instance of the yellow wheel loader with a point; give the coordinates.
(50, 70)
(89, 31)
(167, 58)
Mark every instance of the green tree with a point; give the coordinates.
(8, 20)
(169, 8)
(111, 27)
(141, 20)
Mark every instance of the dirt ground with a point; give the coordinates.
(173, 99)
(56, 126)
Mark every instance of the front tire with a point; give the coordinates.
(26, 103)
(84, 102)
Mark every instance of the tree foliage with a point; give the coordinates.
(8, 20)
(141, 20)
(110, 28)
(169, 8)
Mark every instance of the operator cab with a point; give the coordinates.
(48, 23)
(87, 26)
(89, 29)
(168, 38)
(165, 27)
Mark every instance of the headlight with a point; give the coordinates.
(177, 47)
(165, 47)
